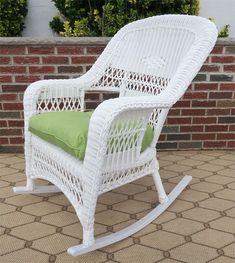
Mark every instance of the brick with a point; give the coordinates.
(221, 77)
(13, 69)
(16, 140)
(26, 60)
(227, 86)
(92, 96)
(220, 95)
(200, 77)
(57, 76)
(174, 112)
(5, 79)
(190, 145)
(95, 50)
(4, 140)
(217, 111)
(223, 59)
(226, 120)
(216, 128)
(210, 68)
(13, 106)
(180, 120)
(170, 129)
(84, 60)
(193, 112)
(206, 86)
(11, 149)
(13, 88)
(182, 104)
(41, 50)
(204, 120)
(178, 137)
(194, 128)
(27, 78)
(9, 97)
(10, 132)
(41, 69)
(70, 50)
(55, 60)
(9, 115)
(162, 137)
(91, 105)
(166, 145)
(10, 50)
(3, 124)
(70, 69)
(231, 144)
(230, 50)
(217, 50)
(229, 68)
(5, 60)
(110, 95)
(16, 123)
(226, 103)
(225, 136)
(203, 103)
(195, 95)
(214, 144)
(203, 136)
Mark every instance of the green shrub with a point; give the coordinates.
(105, 18)
(12, 14)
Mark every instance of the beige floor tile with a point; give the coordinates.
(227, 194)
(180, 206)
(224, 224)
(177, 168)
(222, 162)
(5, 208)
(21, 200)
(167, 174)
(229, 250)
(25, 255)
(202, 157)
(173, 158)
(131, 206)
(93, 257)
(59, 199)
(111, 198)
(20, 166)
(190, 162)
(162, 240)
(118, 246)
(229, 156)
(165, 217)
(213, 238)
(42, 208)
(16, 177)
(219, 179)
(227, 172)
(163, 163)
(147, 196)
(201, 214)
(231, 186)
(182, 226)
(189, 252)
(54, 244)
(148, 229)
(206, 187)
(60, 219)
(193, 196)
(33, 231)
(3, 184)
(223, 259)
(11, 160)
(130, 189)
(198, 173)
(15, 219)
(210, 167)
(6, 171)
(138, 254)
(6, 192)
(146, 181)
(231, 212)
(217, 204)
(2, 229)
(111, 217)
(9, 244)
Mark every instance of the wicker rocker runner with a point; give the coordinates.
(150, 63)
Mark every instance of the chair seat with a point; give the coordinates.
(69, 130)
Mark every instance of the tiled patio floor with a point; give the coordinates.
(199, 227)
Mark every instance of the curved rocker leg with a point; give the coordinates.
(162, 196)
(130, 230)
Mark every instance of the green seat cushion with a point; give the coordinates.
(69, 130)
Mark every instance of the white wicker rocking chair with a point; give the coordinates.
(150, 62)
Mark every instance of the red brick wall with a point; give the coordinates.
(203, 119)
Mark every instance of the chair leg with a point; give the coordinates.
(162, 196)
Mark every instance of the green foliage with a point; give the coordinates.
(12, 14)
(224, 32)
(106, 17)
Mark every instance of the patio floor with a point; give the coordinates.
(198, 227)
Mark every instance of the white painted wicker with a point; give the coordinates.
(150, 62)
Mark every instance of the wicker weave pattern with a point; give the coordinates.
(151, 63)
